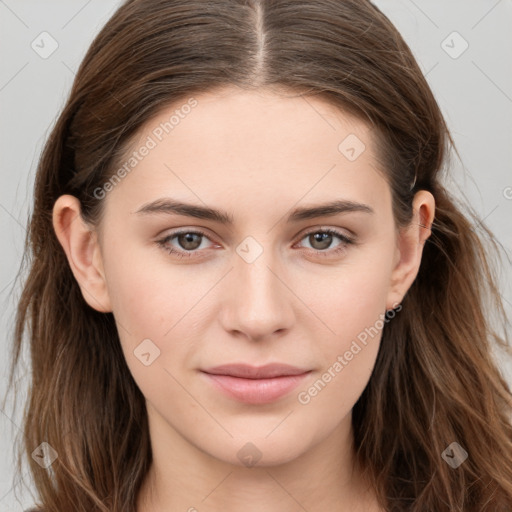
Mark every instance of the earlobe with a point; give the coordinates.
(80, 243)
(410, 243)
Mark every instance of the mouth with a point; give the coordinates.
(255, 385)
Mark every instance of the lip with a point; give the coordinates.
(256, 384)
(248, 371)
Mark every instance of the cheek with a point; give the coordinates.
(352, 298)
(147, 297)
(155, 308)
(347, 359)
(353, 310)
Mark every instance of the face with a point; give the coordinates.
(269, 279)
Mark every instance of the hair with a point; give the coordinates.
(435, 380)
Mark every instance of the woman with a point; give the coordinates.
(249, 287)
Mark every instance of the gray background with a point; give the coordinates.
(473, 88)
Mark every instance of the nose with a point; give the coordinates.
(258, 302)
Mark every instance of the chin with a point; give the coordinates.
(258, 451)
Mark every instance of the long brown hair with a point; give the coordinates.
(435, 381)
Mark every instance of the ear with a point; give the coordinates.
(80, 243)
(410, 242)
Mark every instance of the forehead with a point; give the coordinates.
(245, 144)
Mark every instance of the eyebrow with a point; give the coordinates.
(171, 206)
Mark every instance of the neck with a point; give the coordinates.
(184, 478)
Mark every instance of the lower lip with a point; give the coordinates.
(256, 391)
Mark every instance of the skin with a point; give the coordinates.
(256, 155)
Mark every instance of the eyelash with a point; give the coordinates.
(333, 252)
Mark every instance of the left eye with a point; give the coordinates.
(325, 239)
(190, 241)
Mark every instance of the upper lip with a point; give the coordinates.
(256, 372)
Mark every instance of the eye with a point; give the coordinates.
(190, 241)
(321, 239)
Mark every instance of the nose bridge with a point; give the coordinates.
(259, 303)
